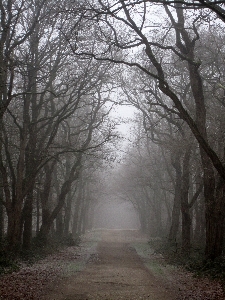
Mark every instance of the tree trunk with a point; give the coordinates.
(215, 214)
(14, 231)
(1, 212)
(27, 221)
(44, 195)
(213, 198)
(199, 230)
(85, 209)
(77, 213)
(177, 200)
(59, 225)
(68, 208)
(66, 187)
(185, 209)
(38, 212)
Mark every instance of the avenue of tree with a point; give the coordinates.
(64, 66)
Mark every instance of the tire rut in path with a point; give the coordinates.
(115, 272)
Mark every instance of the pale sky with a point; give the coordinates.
(126, 113)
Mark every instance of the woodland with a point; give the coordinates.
(64, 67)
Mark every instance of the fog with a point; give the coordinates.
(111, 212)
(115, 214)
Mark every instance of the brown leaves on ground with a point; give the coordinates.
(190, 287)
(200, 288)
(194, 288)
(31, 282)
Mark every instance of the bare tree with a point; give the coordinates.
(179, 37)
(47, 89)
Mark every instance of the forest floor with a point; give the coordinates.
(108, 265)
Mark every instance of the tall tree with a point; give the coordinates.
(180, 39)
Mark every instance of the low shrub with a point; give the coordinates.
(70, 241)
(195, 262)
(214, 269)
(7, 265)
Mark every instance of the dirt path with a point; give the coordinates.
(115, 271)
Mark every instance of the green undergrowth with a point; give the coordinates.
(39, 250)
(214, 269)
(194, 262)
(7, 265)
(164, 259)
